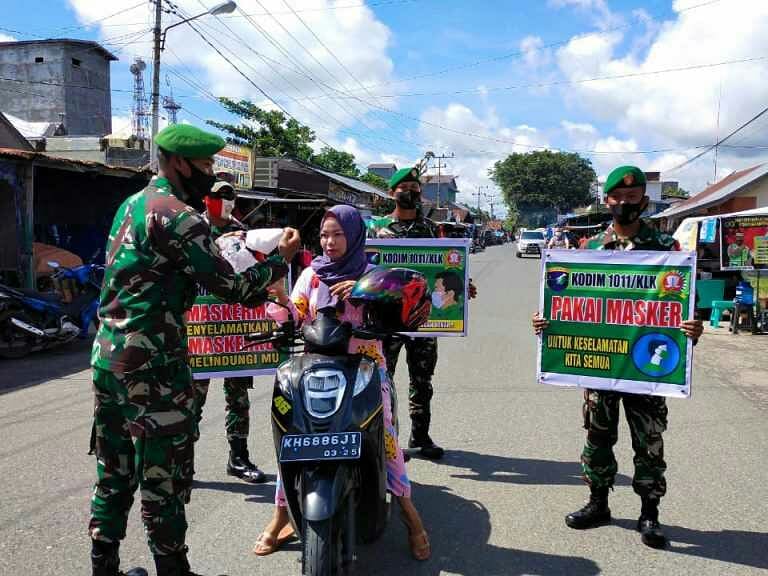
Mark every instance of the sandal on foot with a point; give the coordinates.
(266, 544)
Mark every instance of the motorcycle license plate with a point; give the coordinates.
(326, 446)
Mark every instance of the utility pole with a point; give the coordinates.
(479, 195)
(492, 202)
(440, 165)
(156, 79)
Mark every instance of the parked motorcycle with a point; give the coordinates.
(32, 320)
(328, 429)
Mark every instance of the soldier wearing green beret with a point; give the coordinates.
(219, 204)
(159, 249)
(626, 199)
(421, 353)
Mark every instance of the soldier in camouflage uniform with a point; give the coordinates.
(159, 249)
(646, 414)
(218, 212)
(421, 353)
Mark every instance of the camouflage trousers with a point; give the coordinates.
(647, 419)
(238, 405)
(144, 424)
(421, 356)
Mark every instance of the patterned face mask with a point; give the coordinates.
(628, 213)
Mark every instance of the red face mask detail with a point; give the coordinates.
(219, 207)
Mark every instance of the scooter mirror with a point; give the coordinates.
(53, 264)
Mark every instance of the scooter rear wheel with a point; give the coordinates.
(322, 549)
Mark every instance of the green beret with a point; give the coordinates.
(404, 175)
(189, 141)
(624, 177)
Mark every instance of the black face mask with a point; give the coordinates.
(628, 213)
(408, 199)
(197, 186)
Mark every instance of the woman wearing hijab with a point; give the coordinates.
(328, 282)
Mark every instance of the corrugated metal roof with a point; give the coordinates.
(353, 183)
(31, 129)
(47, 160)
(717, 192)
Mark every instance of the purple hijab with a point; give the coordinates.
(352, 265)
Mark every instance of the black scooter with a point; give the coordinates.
(328, 428)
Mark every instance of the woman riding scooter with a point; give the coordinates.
(329, 282)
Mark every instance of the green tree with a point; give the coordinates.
(375, 180)
(268, 132)
(542, 183)
(337, 161)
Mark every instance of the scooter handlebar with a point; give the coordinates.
(260, 337)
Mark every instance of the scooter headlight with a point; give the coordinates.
(284, 379)
(364, 375)
(323, 391)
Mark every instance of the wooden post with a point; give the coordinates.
(24, 204)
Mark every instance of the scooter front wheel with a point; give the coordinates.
(322, 548)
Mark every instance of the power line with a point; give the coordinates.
(578, 80)
(518, 53)
(303, 71)
(333, 55)
(255, 71)
(360, 119)
(302, 10)
(245, 77)
(102, 19)
(275, 67)
(719, 142)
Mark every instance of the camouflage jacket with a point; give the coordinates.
(158, 250)
(231, 226)
(421, 227)
(647, 238)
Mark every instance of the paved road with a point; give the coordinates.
(494, 506)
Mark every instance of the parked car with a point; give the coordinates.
(531, 242)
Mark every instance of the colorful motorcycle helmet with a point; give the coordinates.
(394, 299)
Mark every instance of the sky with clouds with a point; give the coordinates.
(649, 82)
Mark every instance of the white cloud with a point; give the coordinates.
(675, 110)
(7, 38)
(682, 106)
(121, 126)
(474, 156)
(356, 37)
(601, 14)
(534, 55)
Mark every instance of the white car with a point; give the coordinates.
(531, 242)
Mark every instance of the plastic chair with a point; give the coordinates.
(717, 311)
(707, 291)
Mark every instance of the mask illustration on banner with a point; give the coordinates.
(438, 299)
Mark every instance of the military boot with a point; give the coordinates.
(105, 560)
(174, 564)
(240, 465)
(426, 446)
(648, 524)
(594, 513)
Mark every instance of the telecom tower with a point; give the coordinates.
(139, 120)
(170, 105)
